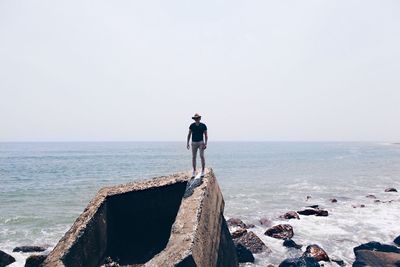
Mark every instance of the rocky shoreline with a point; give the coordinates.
(368, 254)
(248, 244)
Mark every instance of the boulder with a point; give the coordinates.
(316, 212)
(397, 240)
(243, 254)
(338, 262)
(35, 260)
(29, 249)
(333, 200)
(299, 262)
(289, 243)
(5, 259)
(377, 254)
(238, 233)
(308, 197)
(316, 252)
(390, 189)
(313, 206)
(290, 215)
(252, 242)
(280, 231)
(370, 196)
(236, 223)
(265, 222)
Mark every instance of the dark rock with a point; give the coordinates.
(243, 254)
(299, 262)
(313, 206)
(236, 222)
(238, 233)
(308, 197)
(35, 260)
(316, 252)
(391, 189)
(376, 258)
(397, 240)
(333, 200)
(371, 196)
(265, 222)
(338, 262)
(250, 225)
(29, 249)
(252, 242)
(280, 231)
(109, 262)
(5, 259)
(377, 201)
(376, 246)
(289, 243)
(316, 212)
(290, 215)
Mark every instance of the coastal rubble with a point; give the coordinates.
(376, 254)
(289, 243)
(316, 252)
(280, 231)
(5, 259)
(252, 242)
(300, 262)
(28, 249)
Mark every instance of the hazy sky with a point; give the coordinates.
(256, 70)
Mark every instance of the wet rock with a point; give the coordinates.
(5, 259)
(265, 222)
(243, 254)
(280, 231)
(316, 252)
(313, 206)
(238, 233)
(390, 189)
(236, 222)
(250, 225)
(252, 242)
(376, 254)
(29, 249)
(377, 201)
(35, 260)
(299, 262)
(316, 212)
(358, 206)
(308, 197)
(289, 243)
(397, 240)
(338, 262)
(290, 215)
(370, 196)
(333, 200)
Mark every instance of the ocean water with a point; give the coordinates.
(45, 186)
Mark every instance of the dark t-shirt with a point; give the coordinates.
(197, 131)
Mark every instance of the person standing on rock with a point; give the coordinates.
(197, 130)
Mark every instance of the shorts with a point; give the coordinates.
(196, 146)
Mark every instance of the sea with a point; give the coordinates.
(45, 186)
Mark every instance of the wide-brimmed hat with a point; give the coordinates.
(196, 116)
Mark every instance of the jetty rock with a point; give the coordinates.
(150, 223)
(5, 259)
(377, 254)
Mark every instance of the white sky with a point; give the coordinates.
(256, 70)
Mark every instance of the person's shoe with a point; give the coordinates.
(193, 174)
(202, 174)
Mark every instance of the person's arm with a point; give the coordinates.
(188, 139)
(206, 138)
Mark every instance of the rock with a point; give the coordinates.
(397, 240)
(338, 262)
(290, 215)
(236, 222)
(313, 206)
(299, 262)
(29, 249)
(243, 254)
(377, 201)
(252, 242)
(376, 246)
(109, 262)
(35, 260)
(376, 254)
(289, 243)
(371, 196)
(308, 197)
(5, 259)
(238, 233)
(250, 225)
(316, 212)
(333, 200)
(280, 231)
(265, 222)
(391, 189)
(316, 252)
